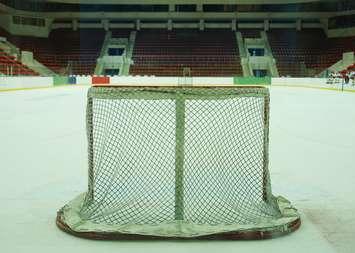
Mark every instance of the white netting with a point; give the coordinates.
(178, 162)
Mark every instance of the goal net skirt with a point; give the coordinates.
(178, 162)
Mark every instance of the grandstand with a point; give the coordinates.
(310, 47)
(64, 49)
(10, 66)
(167, 53)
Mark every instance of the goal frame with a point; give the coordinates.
(262, 233)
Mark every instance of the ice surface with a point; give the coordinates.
(43, 163)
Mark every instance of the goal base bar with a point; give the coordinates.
(237, 235)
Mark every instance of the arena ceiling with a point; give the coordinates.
(184, 1)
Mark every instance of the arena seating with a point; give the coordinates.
(65, 51)
(167, 53)
(77, 50)
(291, 48)
(10, 66)
(311, 49)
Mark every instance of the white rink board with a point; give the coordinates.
(83, 80)
(40, 82)
(141, 80)
(319, 82)
(172, 81)
(25, 82)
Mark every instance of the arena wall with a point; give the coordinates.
(22, 82)
(319, 82)
(8, 83)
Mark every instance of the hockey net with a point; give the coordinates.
(178, 162)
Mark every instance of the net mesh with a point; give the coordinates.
(177, 162)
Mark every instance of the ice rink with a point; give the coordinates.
(43, 165)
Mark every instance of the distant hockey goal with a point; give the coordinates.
(178, 162)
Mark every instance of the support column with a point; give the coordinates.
(299, 25)
(202, 24)
(234, 25)
(266, 25)
(325, 24)
(199, 8)
(170, 25)
(75, 24)
(138, 24)
(106, 24)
